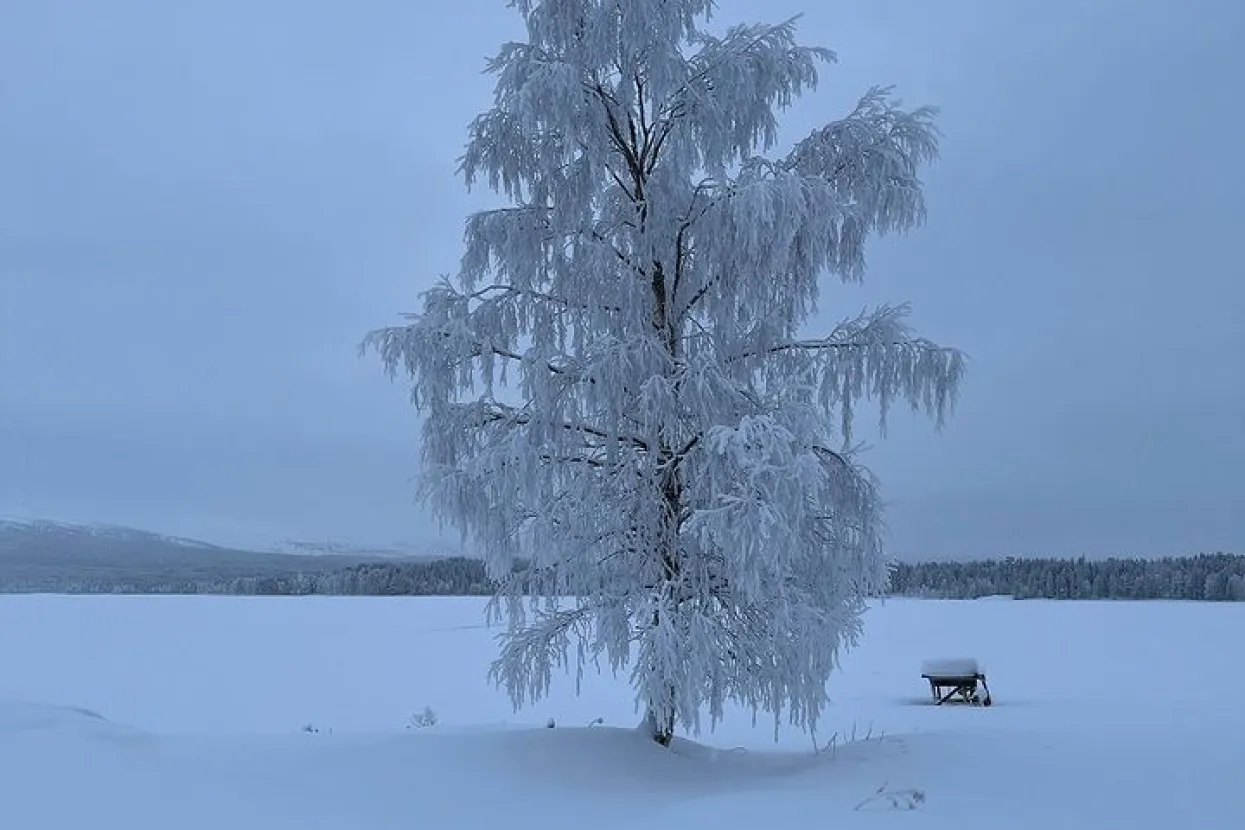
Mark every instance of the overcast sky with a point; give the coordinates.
(205, 205)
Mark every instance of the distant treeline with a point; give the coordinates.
(455, 576)
(1215, 577)
(1219, 577)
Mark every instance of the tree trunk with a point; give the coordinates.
(660, 730)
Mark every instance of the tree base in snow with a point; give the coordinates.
(663, 734)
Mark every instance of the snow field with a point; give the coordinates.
(145, 712)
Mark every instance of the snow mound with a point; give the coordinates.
(604, 761)
(19, 717)
(951, 667)
(450, 778)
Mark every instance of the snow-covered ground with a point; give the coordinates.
(159, 712)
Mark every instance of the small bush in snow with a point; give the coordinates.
(422, 720)
(884, 799)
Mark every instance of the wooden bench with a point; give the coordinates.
(958, 679)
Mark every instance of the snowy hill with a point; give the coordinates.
(102, 535)
(41, 554)
(397, 550)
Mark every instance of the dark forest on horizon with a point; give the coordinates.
(1204, 577)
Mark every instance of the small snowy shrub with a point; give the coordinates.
(423, 720)
(884, 799)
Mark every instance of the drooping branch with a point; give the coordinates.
(396, 340)
(530, 653)
(736, 81)
(872, 159)
(883, 327)
(503, 235)
(484, 412)
(874, 356)
(500, 292)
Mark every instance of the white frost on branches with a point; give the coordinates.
(616, 388)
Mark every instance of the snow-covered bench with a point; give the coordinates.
(956, 678)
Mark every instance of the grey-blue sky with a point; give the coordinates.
(204, 205)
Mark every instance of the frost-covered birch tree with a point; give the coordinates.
(618, 389)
